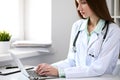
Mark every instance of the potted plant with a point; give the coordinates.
(4, 41)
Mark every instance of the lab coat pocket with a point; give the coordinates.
(93, 54)
(95, 49)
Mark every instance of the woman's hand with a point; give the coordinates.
(46, 70)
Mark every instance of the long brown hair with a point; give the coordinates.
(99, 7)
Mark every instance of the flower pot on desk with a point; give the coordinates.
(4, 47)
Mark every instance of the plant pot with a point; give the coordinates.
(4, 47)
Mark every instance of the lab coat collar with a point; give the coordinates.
(97, 31)
(93, 38)
(83, 25)
(98, 28)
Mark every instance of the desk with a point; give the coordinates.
(20, 76)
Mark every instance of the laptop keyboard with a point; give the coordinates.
(35, 76)
(32, 73)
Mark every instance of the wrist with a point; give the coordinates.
(61, 73)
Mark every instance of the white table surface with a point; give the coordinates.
(20, 76)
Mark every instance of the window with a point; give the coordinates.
(9, 17)
(26, 19)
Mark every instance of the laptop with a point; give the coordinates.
(31, 74)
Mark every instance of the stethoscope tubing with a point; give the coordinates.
(76, 37)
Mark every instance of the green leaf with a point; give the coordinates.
(4, 36)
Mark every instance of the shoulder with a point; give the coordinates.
(76, 25)
(114, 29)
(78, 22)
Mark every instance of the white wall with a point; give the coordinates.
(64, 14)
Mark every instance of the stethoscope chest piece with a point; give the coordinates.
(74, 49)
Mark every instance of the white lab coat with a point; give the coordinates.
(80, 64)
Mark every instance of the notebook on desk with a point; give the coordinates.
(28, 73)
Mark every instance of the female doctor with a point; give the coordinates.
(94, 45)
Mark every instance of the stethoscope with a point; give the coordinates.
(76, 37)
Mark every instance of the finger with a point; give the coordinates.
(43, 74)
(51, 72)
(47, 73)
(42, 68)
(38, 67)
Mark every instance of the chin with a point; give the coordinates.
(85, 16)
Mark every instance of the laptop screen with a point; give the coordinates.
(20, 65)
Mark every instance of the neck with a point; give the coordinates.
(93, 21)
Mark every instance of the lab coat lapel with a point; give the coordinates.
(84, 39)
(93, 38)
(83, 34)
